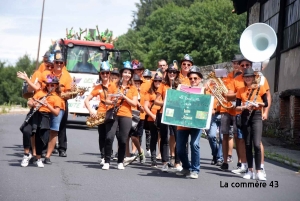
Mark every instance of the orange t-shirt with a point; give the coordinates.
(184, 80)
(99, 91)
(54, 100)
(42, 67)
(162, 90)
(151, 98)
(227, 82)
(65, 80)
(243, 94)
(125, 108)
(238, 83)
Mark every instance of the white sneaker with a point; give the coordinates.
(102, 161)
(129, 160)
(178, 168)
(249, 175)
(39, 163)
(165, 168)
(25, 160)
(121, 166)
(260, 176)
(263, 171)
(148, 153)
(105, 166)
(239, 170)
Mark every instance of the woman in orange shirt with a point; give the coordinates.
(151, 111)
(171, 81)
(50, 105)
(250, 100)
(100, 90)
(126, 97)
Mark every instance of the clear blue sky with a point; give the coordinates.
(20, 22)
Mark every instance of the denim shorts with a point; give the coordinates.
(239, 134)
(55, 120)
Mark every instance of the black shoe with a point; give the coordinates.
(213, 161)
(153, 164)
(47, 161)
(219, 163)
(62, 154)
(224, 167)
(55, 151)
(239, 165)
(32, 160)
(115, 157)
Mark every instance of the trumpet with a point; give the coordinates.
(218, 88)
(99, 119)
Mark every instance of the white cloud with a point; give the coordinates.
(20, 22)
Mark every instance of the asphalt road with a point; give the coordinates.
(79, 176)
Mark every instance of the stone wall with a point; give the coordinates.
(254, 14)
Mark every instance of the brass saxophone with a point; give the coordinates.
(218, 88)
(99, 119)
(74, 92)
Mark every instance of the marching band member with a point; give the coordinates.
(251, 122)
(30, 128)
(215, 145)
(151, 109)
(147, 75)
(190, 170)
(233, 88)
(135, 135)
(100, 90)
(123, 119)
(228, 119)
(51, 105)
(65, 82)
(171, 81)
(162, 64)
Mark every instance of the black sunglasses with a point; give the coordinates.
(50, 85)
(104, 73)
(247, 65)
(157, 80)
(59, 62)
(186, 64)
(193, 78)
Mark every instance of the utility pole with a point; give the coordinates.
(41, 26)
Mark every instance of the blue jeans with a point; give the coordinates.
(181, 141)
(216, 148)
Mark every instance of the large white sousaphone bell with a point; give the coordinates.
(258, 42)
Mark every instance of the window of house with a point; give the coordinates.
(291, 32)
(269, 13)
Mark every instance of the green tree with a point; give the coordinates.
(10, 85)
(207, 30)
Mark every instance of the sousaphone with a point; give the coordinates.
(258, 42)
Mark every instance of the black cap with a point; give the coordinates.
(137, 78)
(244, 59)
(51, 79)
(58, 56)
(187, 58)
(195, 69)
(248, 72)
(115, 71)
(237, 57)
(47, 54)
(172, 67)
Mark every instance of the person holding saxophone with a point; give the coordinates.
(100, 90)
(122, 96)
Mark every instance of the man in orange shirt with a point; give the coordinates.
(162, 64)
(186, 64)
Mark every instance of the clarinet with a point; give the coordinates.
(39, 106)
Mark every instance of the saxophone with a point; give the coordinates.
(218, 88)
(75, 91)
(99, 119)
